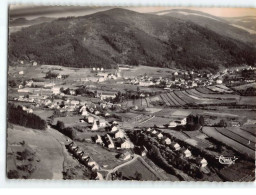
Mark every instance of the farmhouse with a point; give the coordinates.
(56, 90)
(175, 146)
(94, 166)
(106, 94)
(159, 135)
(167, 141)
(127, 144)
(119, 134)
(185, 152)
(125, 156)
(114, 128)
(201, 162)
(90, 119)
(99, 176)
(21, 72)
(98, 139)
(95, 126)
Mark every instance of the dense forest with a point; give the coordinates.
(18, 116)
(120, 36)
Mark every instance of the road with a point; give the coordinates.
(119, 166)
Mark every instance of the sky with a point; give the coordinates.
(32, 11)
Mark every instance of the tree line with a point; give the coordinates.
(18, 116)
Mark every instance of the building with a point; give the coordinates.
(98, 139)
(175, 146)
(90, 119)
(119, 134)
(127, 144)
(125, 156)
(167, 141)
(159, 135)
(201, 162)
(114, 128)
(106, 94)
(95, 126)
(109, 142)
(56, 90)
(21, 72)
(186, 152)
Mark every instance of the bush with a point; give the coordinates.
(13, 174)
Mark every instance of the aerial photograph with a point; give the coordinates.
(131, 93)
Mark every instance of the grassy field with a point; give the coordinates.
(138, 166)
(49, 147)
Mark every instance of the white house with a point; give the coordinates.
(154, 132)
(175, 146)
(173, 124)
(218, 81)
(98, 139)
(99, 176)
(167, 141)
(127, 144)
(202, 162)
(120, 134)
(56, 90)
(21, 72)
(114, 128)
(90, 119)
(159, 135)
(95, 126)
(110, 143)
(186, 152)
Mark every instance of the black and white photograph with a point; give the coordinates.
(131, 93)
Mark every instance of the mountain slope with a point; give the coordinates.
(121, 36)
(224, 27)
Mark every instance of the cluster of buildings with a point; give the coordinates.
(183, 152)
(115, 139)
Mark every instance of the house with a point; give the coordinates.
(106, 94)
(95, 126)
(154, 132)
(167, 141)
(90, 119)
(127, 144)
(173, 124)
(175, 146)
(109, 142)
(56, 90)
(98, 139)
(74, 102)
(99, 176)
(34, 63)
(218, 81)
(21, 72)
(93, 165)
(201, 162)
(149, 129)
(125, 156)
(102, 123)
(159, 135)
(119, 134)
(141, 150)
(185, 152)
(114, 128)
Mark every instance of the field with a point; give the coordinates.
(141, 167)
(199, 96)
(49, 147)
(230, 141)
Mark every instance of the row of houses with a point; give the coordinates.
(85, 159)
(184, 152)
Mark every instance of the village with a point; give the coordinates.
(98, 109)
